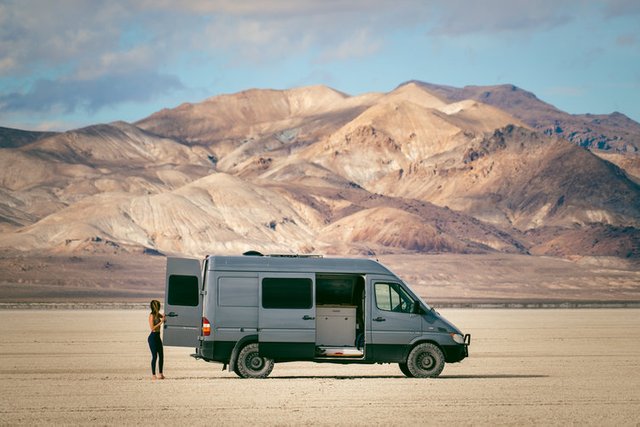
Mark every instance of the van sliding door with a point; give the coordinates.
(286, 316)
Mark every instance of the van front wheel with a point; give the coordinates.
(251, 365)
(425, 361)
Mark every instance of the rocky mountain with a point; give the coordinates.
(49, 174)
(13, 138)
(422, 168)
(611, 132)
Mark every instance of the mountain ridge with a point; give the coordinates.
(422, 168)
(607, 132)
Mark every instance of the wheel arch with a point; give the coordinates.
(249, 339)
(423, 340)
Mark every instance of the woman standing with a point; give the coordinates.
(156, 319)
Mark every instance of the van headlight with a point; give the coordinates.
(457, 338)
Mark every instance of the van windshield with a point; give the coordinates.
(422, 302)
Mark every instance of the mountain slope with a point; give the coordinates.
(418, 169)
(14, 138)
(516, 177)
(46, 175)
(613, 132)
(221, 213)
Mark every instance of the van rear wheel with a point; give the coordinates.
(425, 361)
(251, 365)
(405, 370)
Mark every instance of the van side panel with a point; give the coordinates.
(236, 306)
(232, 309)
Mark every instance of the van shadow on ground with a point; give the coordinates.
(377, 377)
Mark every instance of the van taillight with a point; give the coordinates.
(206, 327)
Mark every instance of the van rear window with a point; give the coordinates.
(183, 290)
(287, 292)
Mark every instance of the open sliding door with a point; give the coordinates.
(286, 316)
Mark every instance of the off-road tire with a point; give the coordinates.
(251, 365)
(405, 370)
(425, 361)
(236, 371)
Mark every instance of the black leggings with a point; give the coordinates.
(155, 345)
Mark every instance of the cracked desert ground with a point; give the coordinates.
(536, 366)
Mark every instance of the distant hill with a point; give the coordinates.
(421, 169)
(13, 138)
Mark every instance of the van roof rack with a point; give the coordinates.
(295, 256)
(256, 253)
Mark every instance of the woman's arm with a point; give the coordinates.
(152, 325)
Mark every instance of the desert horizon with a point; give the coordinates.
(486, 280)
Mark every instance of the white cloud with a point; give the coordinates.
(138, 58)
(88, 45)
(565, 91)
(615, 8)
(7, 64)
(362, 43)
(497, 16)
(626, 40)
(70, 95)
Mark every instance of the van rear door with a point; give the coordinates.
(286, 316)
(183, 303)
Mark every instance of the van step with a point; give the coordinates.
(338, 352)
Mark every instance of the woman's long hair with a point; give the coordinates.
(155, 308)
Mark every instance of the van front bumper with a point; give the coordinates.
(457, 352)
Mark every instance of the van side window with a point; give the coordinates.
(391, 297)
(183, 290)
(285, 292)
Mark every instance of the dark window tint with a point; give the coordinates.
(334, 290)
(183, 290)
(287, 293)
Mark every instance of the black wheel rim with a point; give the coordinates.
(426, 361)
(255, 362)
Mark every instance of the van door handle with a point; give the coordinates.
(307, 317)
(172, 314)
(379, 319)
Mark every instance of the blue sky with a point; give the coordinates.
(70, 63)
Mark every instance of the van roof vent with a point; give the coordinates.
(252, 253)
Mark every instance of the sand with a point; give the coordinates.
(526, 367)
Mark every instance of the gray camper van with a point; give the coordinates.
(249, 312)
